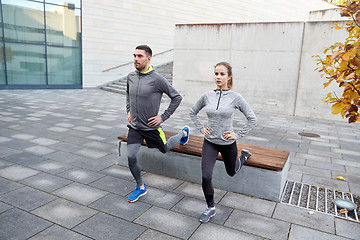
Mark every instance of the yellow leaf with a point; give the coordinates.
(343, 211)
(336, 108)
(348, 55)
(340, 178)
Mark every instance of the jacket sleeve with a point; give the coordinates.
(174, 95)
(200, 104)
(127, 95)
(249, 114)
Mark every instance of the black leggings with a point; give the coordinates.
(209, 154)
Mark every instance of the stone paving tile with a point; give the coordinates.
(195, 207)
(74, 140)
(44, 141)
(66, 147)
(24, 158)
(152, 234)
(168, 222)
(16, 224)
(64, 213)
(114, 185)
(27, 198)
(211, 231)
(81, 175)
(119, 206)
(318, 221)
(328, 166)
(56, 232)
(66, 157)
(119, 171)
(161, 198)
(4, 139)
(349, 177)
(39, 150)
(300, 233)
(91, 153)
(93, 164)
(294, 176)
(354, 188)
(18, 144)
(347, 163)
(313, 157)
(249, 204)
(17, 172)
(258, 225)
(347, 228)
(325, 182)
(4, 164)
(195, 190)
(325, 153)
(4, 207)
(58, 129)
(4, 151)
(161, 182)
(51, 166)
(46, 182)
(23, 136)
(102, 226)
(80, 193)
(7, 186)
(311, 171)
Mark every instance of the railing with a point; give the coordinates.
(156, 59)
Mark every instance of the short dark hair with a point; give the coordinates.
(146, 48)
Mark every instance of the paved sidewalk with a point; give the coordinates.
(59, 178)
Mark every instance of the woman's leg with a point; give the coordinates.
(209, 155)
(229, 154)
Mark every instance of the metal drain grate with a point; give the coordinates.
(318, 199)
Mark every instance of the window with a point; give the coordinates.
(40, 44)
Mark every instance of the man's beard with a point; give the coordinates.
(140, 67)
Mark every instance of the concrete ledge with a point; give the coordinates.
(254, 181)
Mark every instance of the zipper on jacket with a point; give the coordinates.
(217, 107)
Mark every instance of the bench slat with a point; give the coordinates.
(261, 157)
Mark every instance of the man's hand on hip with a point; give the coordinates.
(154, 121)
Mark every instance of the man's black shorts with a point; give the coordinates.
(154, 138)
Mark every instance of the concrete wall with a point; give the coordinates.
(272, 63)
(317, 37)
(112, 28)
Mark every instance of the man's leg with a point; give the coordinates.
(180, 137)
(135, 168)
(135, 139)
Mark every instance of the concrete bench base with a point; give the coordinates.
(254, 181)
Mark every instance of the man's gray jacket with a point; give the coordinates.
(143, 97)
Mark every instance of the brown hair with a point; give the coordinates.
(229, 69)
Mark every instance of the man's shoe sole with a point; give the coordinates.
(137, 197)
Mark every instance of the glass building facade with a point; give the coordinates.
(40, 44)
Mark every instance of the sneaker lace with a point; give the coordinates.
(207, 211)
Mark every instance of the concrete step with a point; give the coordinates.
(115, 90)
(165, 70)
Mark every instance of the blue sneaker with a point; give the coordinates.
(137, 193)
(184, 140)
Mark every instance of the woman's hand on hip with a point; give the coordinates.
(230, 135)
(206, 132)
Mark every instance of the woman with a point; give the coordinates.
(219, 135)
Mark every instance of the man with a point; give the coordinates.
(145, 88)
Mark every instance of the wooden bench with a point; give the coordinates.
(263, 175)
